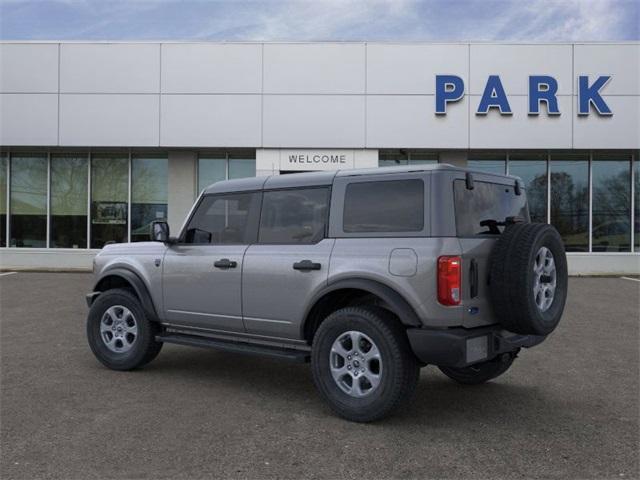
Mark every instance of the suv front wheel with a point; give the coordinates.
(362, 363)
(120, 334)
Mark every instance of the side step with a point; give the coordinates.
(236, 347)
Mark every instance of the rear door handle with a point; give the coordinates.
(225, 263)
(306, 265)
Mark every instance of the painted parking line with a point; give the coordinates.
(632, 279)
(7, 273)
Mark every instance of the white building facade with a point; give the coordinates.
(99, 139)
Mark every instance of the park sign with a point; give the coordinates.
(542, 89)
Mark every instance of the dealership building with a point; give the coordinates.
(97, 140)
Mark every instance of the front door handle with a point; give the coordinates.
(306, 265)
(225, 263)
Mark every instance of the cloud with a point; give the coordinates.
(330, 20)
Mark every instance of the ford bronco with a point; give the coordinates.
(368, 274)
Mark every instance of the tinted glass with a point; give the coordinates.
(570, 201)
(488, 162)
(532, 169)
(611, 205)
(224, 219)
(69, 201)
(384, 206)
(294, 216)
(636, 194)
(392, 158)
(3, 200)
(149, 195)
(242, 165)
(109, 193)
(28, 201)
(487, 201)
(211, 170)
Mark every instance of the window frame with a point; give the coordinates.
(336, 215)
(325, 233)
(252, 222)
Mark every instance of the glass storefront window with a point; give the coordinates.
(532, 169)
(214, 167)
(149, 194)
(242, 165)
(636, 194)
(3, 199)
(28, 201)
(611, 205)
(392, 158)
(211, 169)
(68, 227)
(570, 199)
(109, 194)
(488, 162)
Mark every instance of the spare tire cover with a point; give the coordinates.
(528, 278)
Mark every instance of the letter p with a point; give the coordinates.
(449, 88)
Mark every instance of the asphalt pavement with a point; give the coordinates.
(566, 409)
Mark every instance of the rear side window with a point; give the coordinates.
(486, 202)
(224, 219)
(296, 216)
(384, 206)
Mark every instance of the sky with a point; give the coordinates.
(321, 20)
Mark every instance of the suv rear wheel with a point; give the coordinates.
(120, 334)
(362, 363)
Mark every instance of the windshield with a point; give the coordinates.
(487, 203)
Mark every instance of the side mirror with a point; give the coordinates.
(160, 231)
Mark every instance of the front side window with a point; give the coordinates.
(479, 209)
(384, 206)
(28, 201)
(294, 216)
(224, 220)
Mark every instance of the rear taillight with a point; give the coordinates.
(449, 268)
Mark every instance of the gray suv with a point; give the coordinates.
(368, 274)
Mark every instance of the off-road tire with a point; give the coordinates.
(400, 369)
(144, 349)
(511, 278)
(480, 372)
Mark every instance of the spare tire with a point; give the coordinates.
(528, 278)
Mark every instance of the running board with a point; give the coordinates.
(236, 347)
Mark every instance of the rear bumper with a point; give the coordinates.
(460, 347)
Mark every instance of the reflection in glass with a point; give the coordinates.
(211, 170)
(422, 158)
(636, 194)
(69, 201)
(392, 158)
(109, 186)
(570, 200)
(611, 187)
(28, 201)
(532, 169)
(241, 166)
(149, 194)
(488, 162)
(3, 200)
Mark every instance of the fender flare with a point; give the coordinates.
(133, 279)
(396, 302)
